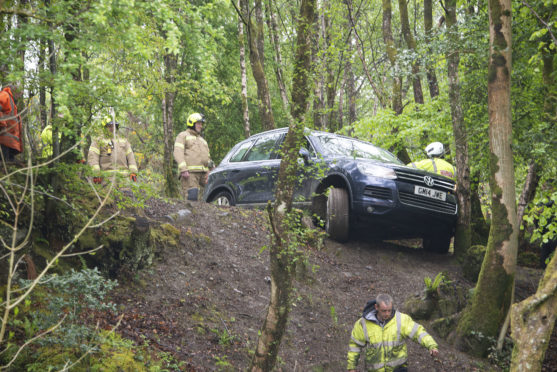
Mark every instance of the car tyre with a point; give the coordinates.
(438, 243)
(223, 198)
(337, 217)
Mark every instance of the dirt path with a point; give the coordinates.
(204, 301)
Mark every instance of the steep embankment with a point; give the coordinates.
(204, 301)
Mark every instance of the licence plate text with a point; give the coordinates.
(430, 193)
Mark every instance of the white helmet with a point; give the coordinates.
(435, 149)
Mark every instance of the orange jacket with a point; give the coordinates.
(10, 129)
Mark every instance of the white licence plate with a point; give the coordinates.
(430, 193)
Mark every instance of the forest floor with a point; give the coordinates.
(204, 301)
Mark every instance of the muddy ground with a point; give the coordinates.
(205, 300)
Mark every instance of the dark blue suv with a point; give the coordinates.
(346, 183)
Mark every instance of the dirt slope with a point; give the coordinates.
(204, 301)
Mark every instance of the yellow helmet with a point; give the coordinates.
(194, 118)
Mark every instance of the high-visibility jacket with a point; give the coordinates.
(385, 346)
(46, 138)
(436, 165)
(10, 129)
(191, 152)
(112, 154)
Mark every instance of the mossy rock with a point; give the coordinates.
(420, 307)
(471, 262)
(444, 326)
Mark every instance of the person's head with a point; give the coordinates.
(112, 126)
(196, 121)
(435, 150)
(384, 307)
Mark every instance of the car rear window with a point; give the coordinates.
(352, 148)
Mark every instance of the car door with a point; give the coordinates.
(254, 179)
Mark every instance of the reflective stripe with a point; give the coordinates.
(414, 165)
(422, 335)
(364, 327)
(96, 167)
(198, 168)
(95, 150)
(129, 152)
(358, 342)
(398, 326)
(414, 330)
(377, 365)
(182, 164)
(396, 362)
(191, 137)
(179, 145)
(434, 165)
(10, 135)
(354, 349)
(133, 168)
(391, 343)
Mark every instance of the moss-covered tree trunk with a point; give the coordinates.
(244, 78)
(411, 43)
(532, 322)
(171, 182)
(463, 233)
(428, 23)
(492, 297)
(254, 33)
(284, 240)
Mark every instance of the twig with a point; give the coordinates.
(82, 253)
(548, 27)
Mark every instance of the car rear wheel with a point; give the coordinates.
(223, 198)
(438, 243)
(337, 219)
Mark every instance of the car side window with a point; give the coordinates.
(264, 148)
(306, 144)
(241, 152)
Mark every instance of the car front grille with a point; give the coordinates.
(378, 192)
(440, 183)
(427, 203)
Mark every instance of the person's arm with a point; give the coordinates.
(418, 334)
(179, 154)
(130, 157)
(357, 343)
(93, 157)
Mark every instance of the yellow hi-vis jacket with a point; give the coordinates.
(112, 154)
(386, 349)
(435, 165)
(191, 152)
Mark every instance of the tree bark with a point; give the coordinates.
(463, 233)
(532, 322)
(284, 243)
(405, 25)
(428, 23)
(273, 31)
(244, 93)
(171, 184)
(392, 54)
(257, 67)
(492, 297)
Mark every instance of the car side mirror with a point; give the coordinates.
(304, 153)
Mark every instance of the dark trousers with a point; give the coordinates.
(8, 153)
(401, 369)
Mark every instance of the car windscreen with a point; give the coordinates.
(352, 148)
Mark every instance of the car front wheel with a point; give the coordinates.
(223, 198)
(337, 218)
(438, 243)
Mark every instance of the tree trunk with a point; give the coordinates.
(532, 322)
(272, 25)
(492, 297)
(416, 82)
(284, 243)
(257, 67)
(479, 226)
(392, 54)
(462, 238)
(171, 184)
(244, 93)
(319, 64)
(350, 87)
(428, 23)
(526, 196)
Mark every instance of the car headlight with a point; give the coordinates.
(376, 171)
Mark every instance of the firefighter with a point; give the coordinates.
(383, 330)
(112, 153)
(191, 152)
(10, 123)
(435, 163)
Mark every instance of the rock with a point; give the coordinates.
(182, 215)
